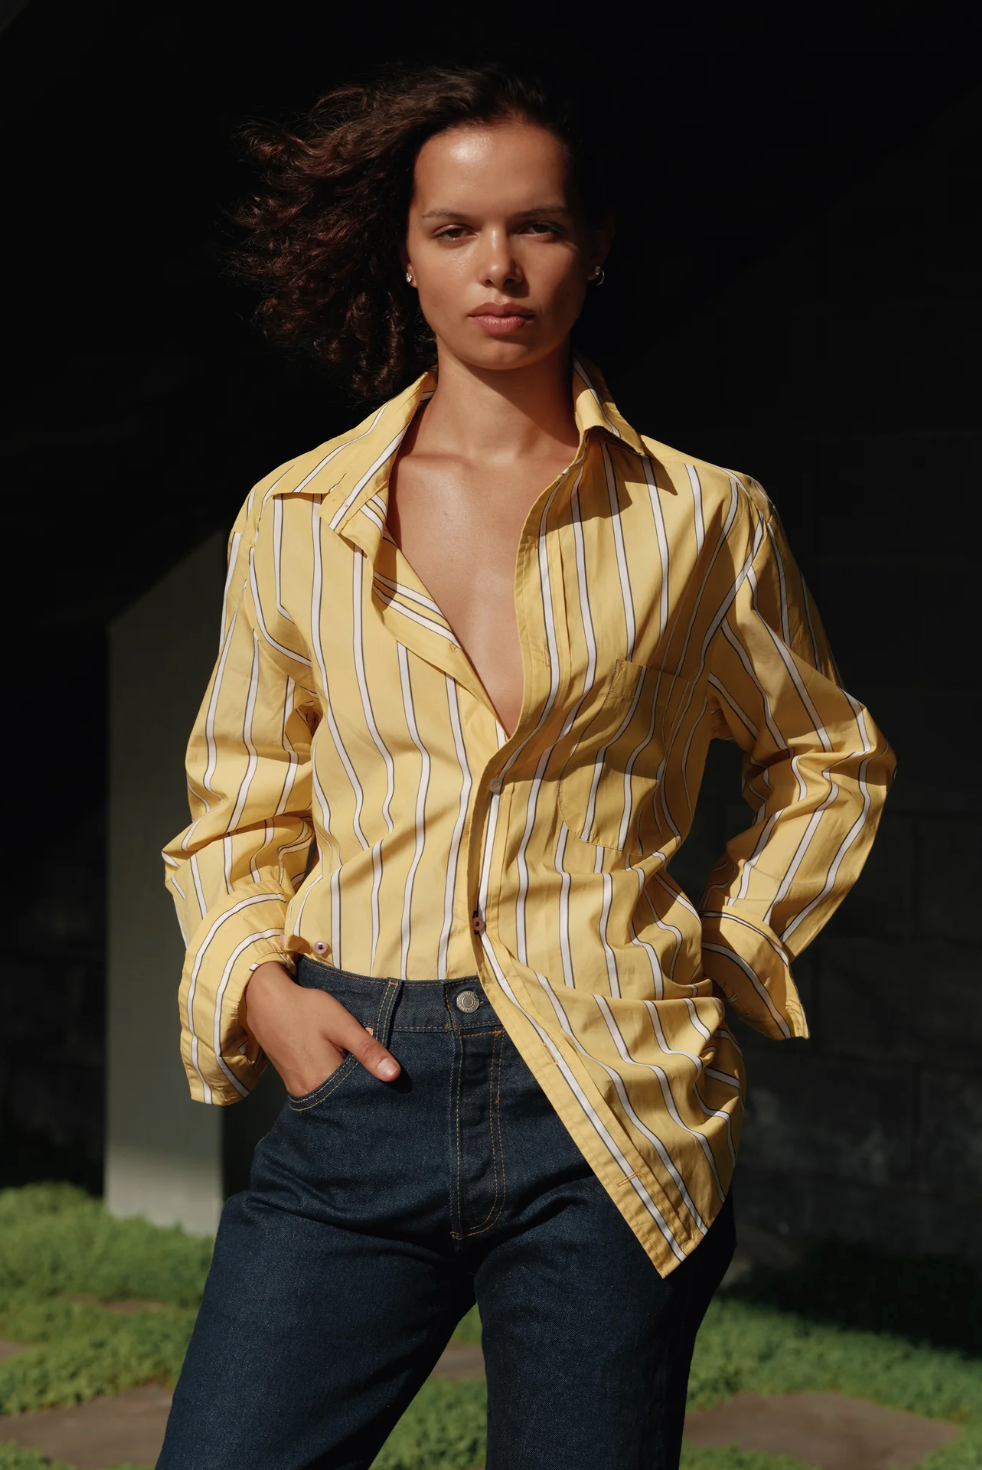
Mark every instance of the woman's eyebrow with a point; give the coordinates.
(522, 213)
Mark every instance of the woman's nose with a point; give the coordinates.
(500, 265)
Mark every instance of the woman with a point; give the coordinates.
(475, 650)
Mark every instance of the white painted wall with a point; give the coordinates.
(164, 1152)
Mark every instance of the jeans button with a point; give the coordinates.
(467, 1001)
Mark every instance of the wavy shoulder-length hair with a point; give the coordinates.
(321, 238)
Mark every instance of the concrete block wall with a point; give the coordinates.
(842, 372)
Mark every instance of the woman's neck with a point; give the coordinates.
(503, 416)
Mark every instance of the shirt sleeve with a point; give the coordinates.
(816, 774)
(235, 867)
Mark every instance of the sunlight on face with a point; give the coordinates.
(497, 243)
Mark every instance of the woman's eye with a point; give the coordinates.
(535, 227)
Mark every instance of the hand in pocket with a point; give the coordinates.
(306, 1033)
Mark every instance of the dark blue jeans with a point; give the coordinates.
(377, 1214)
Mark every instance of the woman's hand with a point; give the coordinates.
(307, 1033)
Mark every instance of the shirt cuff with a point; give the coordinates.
(223, 1062)
(750, 965)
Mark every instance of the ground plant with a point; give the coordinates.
(907, 1334)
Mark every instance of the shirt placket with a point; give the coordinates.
(539, 594)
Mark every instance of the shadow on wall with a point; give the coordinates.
(934, 1300)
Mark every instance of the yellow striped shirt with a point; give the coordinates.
(658, 606)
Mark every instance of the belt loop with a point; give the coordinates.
(383, 1020)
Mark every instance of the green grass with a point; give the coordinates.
(744, 1346)
(56, 1239)
(901, 1333)
(12, 1457)
(444, 1427)
(58, 1242)
(468, 1328)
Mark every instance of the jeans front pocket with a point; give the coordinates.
(371, 1003)
(330, 1084)
(615, 766)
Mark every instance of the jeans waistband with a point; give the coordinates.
(413, 1004)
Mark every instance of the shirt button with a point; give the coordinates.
(320, 946)
(467, 1001)
(477, 923)
(495, 784)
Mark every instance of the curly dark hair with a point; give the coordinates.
(322, 239)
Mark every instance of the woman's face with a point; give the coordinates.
(497, 245)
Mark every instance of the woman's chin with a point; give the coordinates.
(499, 354)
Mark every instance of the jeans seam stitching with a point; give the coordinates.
(385, 1003)
(420, 1028)
(456, 1221)
(500, 1155)
(497, 1204)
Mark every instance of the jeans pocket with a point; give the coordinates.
(318, 1094)
(369, 1000)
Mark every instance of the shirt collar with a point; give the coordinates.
(596, 409)
(348, 472)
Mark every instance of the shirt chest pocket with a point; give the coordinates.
(615, 766)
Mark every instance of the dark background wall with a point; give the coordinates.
(793, 293)
(842, 367)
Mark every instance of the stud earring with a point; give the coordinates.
(409, 277)
(597, 275)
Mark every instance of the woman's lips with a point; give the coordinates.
(501, 326)
(500, 321)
